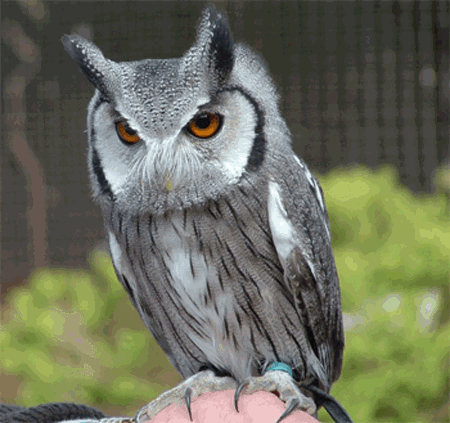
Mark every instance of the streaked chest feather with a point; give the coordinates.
(201, 284)
(215, 273)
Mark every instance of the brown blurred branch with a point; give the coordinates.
(15, 124)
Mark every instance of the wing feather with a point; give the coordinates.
(299, 226)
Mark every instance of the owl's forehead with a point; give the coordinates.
(159, 91)
(162, 84)
(150, 79)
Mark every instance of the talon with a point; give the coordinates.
(238, 392)
(187, 399)
(293, 404)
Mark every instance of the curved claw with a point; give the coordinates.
(293, 404)
(238, 392)
(187, 400)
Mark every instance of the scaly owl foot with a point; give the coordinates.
(282, 383)
(201, 383)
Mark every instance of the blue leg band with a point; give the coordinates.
(280, 366)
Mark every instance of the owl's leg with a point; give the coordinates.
(198, 384)
(281, 382)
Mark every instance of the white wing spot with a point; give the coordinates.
(121, 265)
(299, 162)
(283, 233)
(280, 226)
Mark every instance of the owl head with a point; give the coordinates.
(167, 134)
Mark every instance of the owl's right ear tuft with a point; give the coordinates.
(90, 60)
(215, 41)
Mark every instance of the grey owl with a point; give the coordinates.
(217, 230)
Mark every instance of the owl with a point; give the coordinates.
(217, 230)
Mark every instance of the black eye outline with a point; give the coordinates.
(216, 120)
(126, 133)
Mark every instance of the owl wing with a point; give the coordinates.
(300, 229)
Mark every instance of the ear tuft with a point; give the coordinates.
(215, 33)
(90, 59)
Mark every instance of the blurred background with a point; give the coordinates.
(364, 88)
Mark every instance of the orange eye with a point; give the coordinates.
(126, 133)
(204, 125)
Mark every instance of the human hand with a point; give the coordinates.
(260, 407)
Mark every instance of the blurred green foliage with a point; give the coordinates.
(72, 335)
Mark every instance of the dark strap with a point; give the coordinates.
(335, 410)
(47, 413)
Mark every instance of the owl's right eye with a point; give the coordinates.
(126, 133)
(205, 125)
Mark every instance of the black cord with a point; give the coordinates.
(47, 413)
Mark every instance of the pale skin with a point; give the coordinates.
(260, 407)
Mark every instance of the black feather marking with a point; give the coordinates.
(241, 273)
(150, 232)
(273, 265)
(235, 342)
(175, 228)
(260, 324)
(222, 46)
(138, 231)
(127, 246)
(233, 212)
(291, 334)
(258, 150)
(101, 178)
(191, 263)
(96, 163)
(184, 218)
(75, 45)
(219, 212)
(120, 219)
(211, 212)
(127, 285)
(208, 289)
(227, 330)
(226, 270)
(248, 243)
(253, 211)
(310, 306)
(220, 277)
(239, 320)
(198, 237)
(257, 320)
(167, 270)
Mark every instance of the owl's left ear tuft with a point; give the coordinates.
(215, 32)
(90, 60)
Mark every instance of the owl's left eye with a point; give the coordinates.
(126, 133)
(205, 124)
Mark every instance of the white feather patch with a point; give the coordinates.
(121, 265)
(283, 232)
(238, 135)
